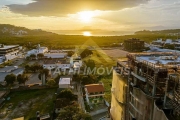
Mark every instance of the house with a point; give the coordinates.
(94, 93)
(65, 82)
(9, 52)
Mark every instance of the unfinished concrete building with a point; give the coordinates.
(153, 86)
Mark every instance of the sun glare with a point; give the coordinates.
(85, 16)
(86, 33)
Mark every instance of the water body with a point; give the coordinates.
(92, 32)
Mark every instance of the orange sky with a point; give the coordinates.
(123, 15)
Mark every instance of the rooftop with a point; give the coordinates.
(2, 76)
(8, 69)
(65, 81)
(8, 47)
(55, 61)
(92, 88)
(157, 59)
(17, 71)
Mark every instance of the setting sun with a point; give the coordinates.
(85, 16)
(86, 33)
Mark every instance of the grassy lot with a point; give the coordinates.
(107, 85)
(27, 103)
(101, 59)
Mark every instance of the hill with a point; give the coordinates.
(11, 30)
(10, 34)
(171, 32)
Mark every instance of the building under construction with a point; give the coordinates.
(146, 87)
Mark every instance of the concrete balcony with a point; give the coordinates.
(135, 108)
(138, 77)
(177, 97)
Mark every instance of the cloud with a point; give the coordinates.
(63, 7)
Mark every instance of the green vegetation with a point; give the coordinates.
(53, 40)
(107, 85)
(22, 78)
(31, 102)
(7, 63)
(10, 79)
(71, 110)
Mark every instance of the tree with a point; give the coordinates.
(89, 79)
(45, 72)
(27, 68)
(32, 56)
(77, 78)
(70, 53)
(10, 79)
(86, 53)
(21, 78)
(73, 112)
(40, 55)
(68, 112)
(35, 67)
(90, 64)
(68, 94)
(51, 82)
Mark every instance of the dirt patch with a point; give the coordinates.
(21, 109)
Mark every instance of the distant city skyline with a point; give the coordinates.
(112, 15)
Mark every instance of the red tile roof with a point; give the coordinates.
(91, 88)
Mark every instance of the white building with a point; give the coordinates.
(65, 82)
(8, 52)
(37, 51)
(56, 63)
(55, 55)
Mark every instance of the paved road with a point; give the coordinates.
(33, 79)
(97, 117)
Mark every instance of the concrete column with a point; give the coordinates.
(147, 87)
(154, 86)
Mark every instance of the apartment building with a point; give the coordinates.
(149, 89)
(8, 52)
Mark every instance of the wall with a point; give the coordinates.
(118, 97)
(158, 114)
